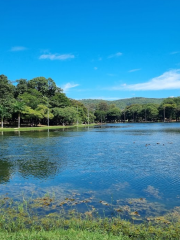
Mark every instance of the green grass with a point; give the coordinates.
(59, 234)
(20, 220)
(19, 224)
(43, 128)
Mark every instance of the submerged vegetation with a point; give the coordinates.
(40, 101)
(37, 218)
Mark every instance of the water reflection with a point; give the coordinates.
(115, 163)
(5, 171)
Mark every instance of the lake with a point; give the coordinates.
(128, 169)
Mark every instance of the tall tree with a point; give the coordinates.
(19, 107)
(167, 108)
(3, 113)
(21, 87)
(6, 90)
(114, 114)
(46, 86)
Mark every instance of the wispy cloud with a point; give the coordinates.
(134, 70)
(95, 68)
(18, 48)
(118, 54)
(166, 81)
(67, 86)
(56, 56)
(175, 52)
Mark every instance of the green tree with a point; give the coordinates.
(3, 113)
(167, 108)
(21, 87)
(44, 112)
(59, 100)
(80, 109)
(46, 86)
(32, 98)
(67, 115)
(6, 91)
(103, 106)
(114, 114)
(133, 112)
(100, 115)
(150, 112)
(19, 107)
(177, 109)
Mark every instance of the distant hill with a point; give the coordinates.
(122, 103)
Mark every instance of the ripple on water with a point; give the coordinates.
(130, 161)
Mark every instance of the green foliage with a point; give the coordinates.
(36, 100)
(167, 108)
(66, 115)
(33, 98)
(21, 87)
(44, 112)
(123, 103)
(59, 100)
(114, 114)
(150, 112)
(4, 113)
(133, 112)
(46, 86)
(6, 91)
(19, 107)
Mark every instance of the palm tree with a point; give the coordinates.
(19, 108)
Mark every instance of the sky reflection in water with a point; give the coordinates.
(116, 164)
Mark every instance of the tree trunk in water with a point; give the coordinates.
(1, 122)
(19, 120)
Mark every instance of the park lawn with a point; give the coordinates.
(40, 128)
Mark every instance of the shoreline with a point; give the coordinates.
(40, 128)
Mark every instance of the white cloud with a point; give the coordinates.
(17, 49)
(115, 55)
(57, 56)
(95, 68)
(166, 81)
(67, 86)
(135, 70)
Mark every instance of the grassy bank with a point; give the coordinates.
(59, 234)
(40, 128)
(19, 220)
(76, 228)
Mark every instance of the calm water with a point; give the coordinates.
(132, 167)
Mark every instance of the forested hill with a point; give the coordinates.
(123, 103)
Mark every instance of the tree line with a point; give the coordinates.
(168, 110)
(40, 101)
(37, 101)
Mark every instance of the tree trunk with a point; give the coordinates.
(1, 122)
(19, 119)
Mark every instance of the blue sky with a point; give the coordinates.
(102, 49)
